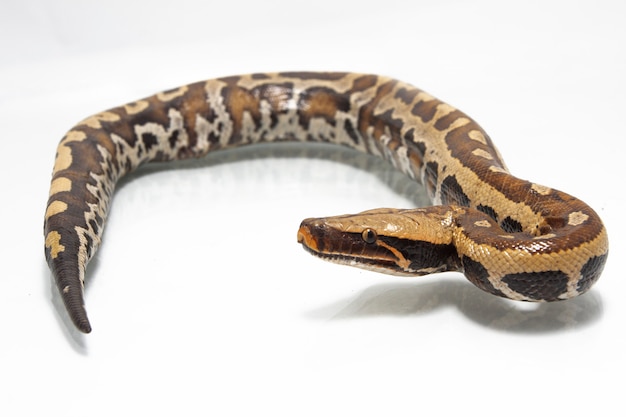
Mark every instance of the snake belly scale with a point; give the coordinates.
(510, 237)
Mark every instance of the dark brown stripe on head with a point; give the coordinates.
(423, 255)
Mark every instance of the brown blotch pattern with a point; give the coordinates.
(419, 134)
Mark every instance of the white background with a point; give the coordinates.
(201, 301)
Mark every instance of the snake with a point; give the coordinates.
(510, 237)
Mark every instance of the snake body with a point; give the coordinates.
(510, 237)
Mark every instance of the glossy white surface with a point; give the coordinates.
(202, 302)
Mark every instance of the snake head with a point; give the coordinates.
(398, 242)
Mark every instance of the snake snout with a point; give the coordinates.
(309, 233)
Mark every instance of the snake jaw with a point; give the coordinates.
(393, 241)
(384, 240)
(338, 246)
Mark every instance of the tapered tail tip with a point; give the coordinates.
(74, 304)
(68, 269)
(83, 325)
(78, 315)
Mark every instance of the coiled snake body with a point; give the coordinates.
(510, 237)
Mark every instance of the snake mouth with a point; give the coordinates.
(346, 248)
(389, 268)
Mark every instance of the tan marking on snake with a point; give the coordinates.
(136, 107)
(55, 207)
(577, 218)
(482, 223)
(64, 153)
(548, 236)
(482, 154)
(95, 120)
(53, 242)
(477, 136)
(60, 185)
(541, 189)
(171, 95)
(494, 168)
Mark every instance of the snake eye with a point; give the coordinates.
(369, 236)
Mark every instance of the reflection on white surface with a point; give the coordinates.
(419, 299)
(234, 164)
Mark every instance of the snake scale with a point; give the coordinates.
(510, 237)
